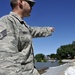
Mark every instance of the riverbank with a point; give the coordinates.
(59, 70)
(70, 70)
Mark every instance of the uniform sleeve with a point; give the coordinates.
(8, 45)
(8, 41)
(40, 31)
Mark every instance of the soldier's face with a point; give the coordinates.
(26, 8)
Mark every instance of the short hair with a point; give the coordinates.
(13, 3)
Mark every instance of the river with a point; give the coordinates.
(41, 65)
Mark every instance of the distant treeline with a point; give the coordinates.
(63, 52)
(66, 51)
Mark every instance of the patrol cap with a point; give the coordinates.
(31, 2)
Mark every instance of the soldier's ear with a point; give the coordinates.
(20, 3)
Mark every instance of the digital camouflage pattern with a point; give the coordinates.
(16, 51)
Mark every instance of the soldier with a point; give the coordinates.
(16, 51)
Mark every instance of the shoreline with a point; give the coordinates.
(58, 70)
(41, 71)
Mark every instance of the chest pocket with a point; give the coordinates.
(24, 37)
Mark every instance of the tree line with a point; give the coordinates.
(66, 51)
(63, 52)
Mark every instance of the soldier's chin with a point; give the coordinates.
(27, 15)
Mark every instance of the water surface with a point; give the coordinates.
(41, 65)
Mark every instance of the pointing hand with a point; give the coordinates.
(52, 29)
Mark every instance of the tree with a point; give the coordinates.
(67, 51)
(53, 56)
(40, 57)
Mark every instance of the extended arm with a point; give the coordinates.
(41, 31)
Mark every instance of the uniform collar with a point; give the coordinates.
(17, 17)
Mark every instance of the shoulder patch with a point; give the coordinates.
(3, 34)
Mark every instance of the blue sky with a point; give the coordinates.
(59, 14)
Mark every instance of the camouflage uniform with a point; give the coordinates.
(16, 51)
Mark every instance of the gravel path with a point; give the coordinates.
(59, 70)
